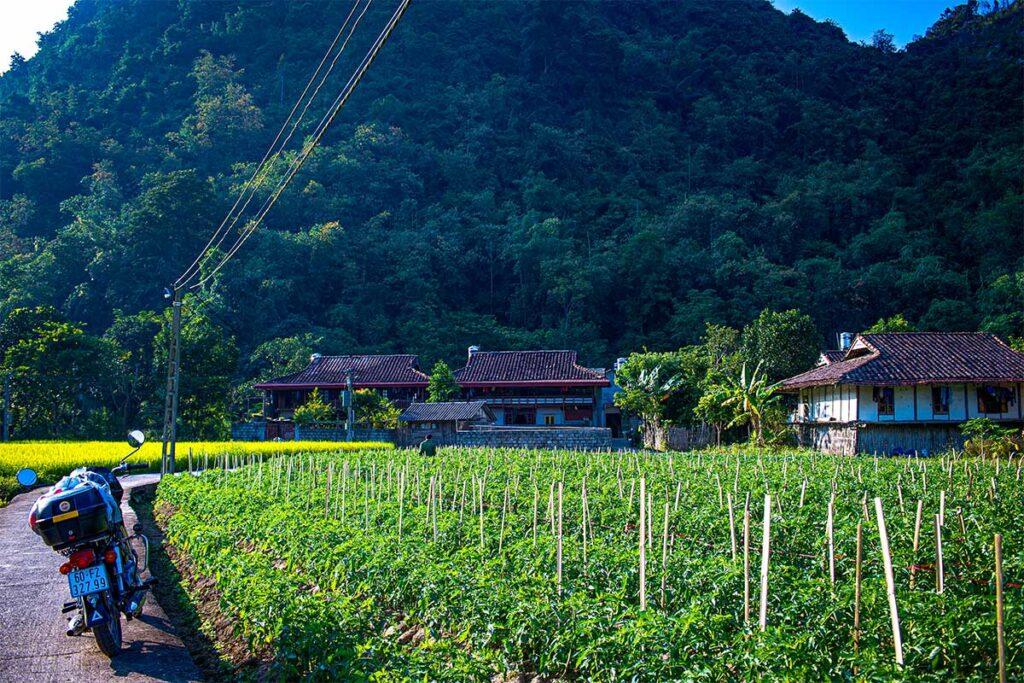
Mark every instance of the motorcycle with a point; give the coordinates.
(80, 517)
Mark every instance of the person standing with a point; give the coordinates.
(428, 447)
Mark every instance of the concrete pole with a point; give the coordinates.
(7, 408)
(171, 397)
(351, 417)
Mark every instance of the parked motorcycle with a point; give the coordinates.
(80, 517)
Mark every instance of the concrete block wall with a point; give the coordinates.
(579, 438)
(328, 433)
(248, 431)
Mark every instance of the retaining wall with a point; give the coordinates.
(575, 438)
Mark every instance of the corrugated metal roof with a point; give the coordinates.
(367, 372)
(526, 367)
(908, 358)
(446, 412)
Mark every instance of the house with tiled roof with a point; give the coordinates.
(906, 392)
(523, 388)
(397, 376)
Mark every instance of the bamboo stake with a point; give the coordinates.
(942, 508)
(1000, 635)
(856, 589)
(917, 540)
(831, 542)
(732, 526)
(559, 536)
(765, 551)
(890, 583)
(650, 519)
(746, 561)
(803, 489)
(643, 544)
(940, 579)
(481, 513)
(536, 501)
(664, 556)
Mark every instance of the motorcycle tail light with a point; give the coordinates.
(83, 559)
(32, 518)
(110, 557)
(65, 568)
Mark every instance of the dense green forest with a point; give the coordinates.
(604, 176)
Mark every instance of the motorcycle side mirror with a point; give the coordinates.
(136, 438)
(27, 477)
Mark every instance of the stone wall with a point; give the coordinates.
(332, 433)
(248, 431)
(569, 438)
(838, 439)
(678, 438)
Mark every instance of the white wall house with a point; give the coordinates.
(906, 392)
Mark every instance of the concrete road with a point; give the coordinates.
(33, 646)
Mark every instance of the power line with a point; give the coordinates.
(339, 103)
(250, 187)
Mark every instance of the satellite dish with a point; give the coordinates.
(27, 477)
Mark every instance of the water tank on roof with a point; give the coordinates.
(315, 357)
(845, 340)
(471, 350)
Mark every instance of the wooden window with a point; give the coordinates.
(885, 397)
(549, 420)
(994, 399)
(940, 400)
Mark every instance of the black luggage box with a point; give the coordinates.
(68, 518)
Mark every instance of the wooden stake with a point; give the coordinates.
(829, 537)
(559, 536)
(766, 538)
(536, 500)
(917, 541)
(732, 526)
(940, 579)
(890, 583)
(1000, 636)
(643, 544)
(664, 555)
(746, 562)
(856, 589)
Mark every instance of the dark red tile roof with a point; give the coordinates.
(528, 368)
(832, 356)
(368, 372)
(909, 358)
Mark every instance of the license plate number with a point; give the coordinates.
(86, 581)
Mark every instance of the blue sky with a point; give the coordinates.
(23, 19)
(861, 18)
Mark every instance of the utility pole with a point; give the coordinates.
(7, 407)
(350, 421)
(173, 375)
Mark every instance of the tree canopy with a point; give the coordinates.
(599, 176)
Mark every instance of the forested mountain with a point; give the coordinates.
(602, 176)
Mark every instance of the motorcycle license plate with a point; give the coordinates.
(86, 581)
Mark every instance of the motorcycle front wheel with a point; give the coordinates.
(108, 635)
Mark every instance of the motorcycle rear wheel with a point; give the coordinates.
(108, 636)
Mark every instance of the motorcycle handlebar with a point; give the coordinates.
(138, 466)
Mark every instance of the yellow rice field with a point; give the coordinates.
(53, 459)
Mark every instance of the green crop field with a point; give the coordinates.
(53, 459)
(478, 563)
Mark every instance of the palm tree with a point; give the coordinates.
(750, 399)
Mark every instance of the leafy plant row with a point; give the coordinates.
(386, 565)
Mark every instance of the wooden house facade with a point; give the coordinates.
(398, 377)
(443, 421)
(534, 388)
(906, 392)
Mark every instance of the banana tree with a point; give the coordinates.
(750, 399)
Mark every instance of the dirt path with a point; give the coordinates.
(33, 646)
